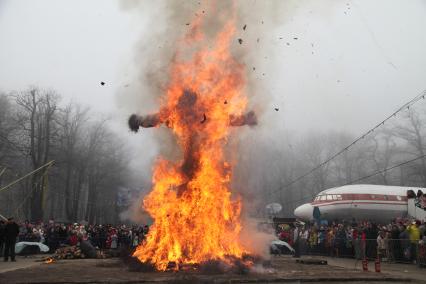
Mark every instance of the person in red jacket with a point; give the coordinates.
(108, 240)
(286, 237)
(73, 239)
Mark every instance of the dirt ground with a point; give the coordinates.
(397, 269)
(283, 270)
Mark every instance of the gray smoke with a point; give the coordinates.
(170, 21)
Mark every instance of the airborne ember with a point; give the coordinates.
(195, 218)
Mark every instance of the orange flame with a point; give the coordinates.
(195, 219)
(49, 260)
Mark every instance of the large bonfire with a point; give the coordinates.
(195, 218)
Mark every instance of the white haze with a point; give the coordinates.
(353, 62)
(322, 64)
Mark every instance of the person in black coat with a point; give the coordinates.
(371, 245)
(1, 237)
(394, 244)
(11, 231)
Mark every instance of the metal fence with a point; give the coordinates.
(392, 250)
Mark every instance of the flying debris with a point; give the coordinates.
(240, 41)
(191, 201)
(276, 109)
(102, 83)
(244, 28)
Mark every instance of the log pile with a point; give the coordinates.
(69, 252)
(74, 252)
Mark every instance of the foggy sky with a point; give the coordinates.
(353, 62)
(367, 59)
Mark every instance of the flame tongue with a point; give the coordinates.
(195, 219)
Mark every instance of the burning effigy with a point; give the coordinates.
(196, 220)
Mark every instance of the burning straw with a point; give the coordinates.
(154, 120)
(196, 222)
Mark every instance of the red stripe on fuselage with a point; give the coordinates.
(357, 203)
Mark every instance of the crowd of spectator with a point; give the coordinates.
(397, 241)
(394, 242)
(55, 234)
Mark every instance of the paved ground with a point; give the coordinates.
(284, 270)
(22, 262)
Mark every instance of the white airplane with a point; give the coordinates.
(378, 203)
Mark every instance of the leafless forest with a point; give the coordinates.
(91, 162)
(292, 168)
(89, 167)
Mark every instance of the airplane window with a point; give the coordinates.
(329, 197)
(386, 197)
(322, 197)
(398, 197)
(373, 196)
(338, 197)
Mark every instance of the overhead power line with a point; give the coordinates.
(407, 105)
(387, 169)
(365, 177)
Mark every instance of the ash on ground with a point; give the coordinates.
(248, 264)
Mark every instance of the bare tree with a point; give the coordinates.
(36, 111)
(381, 151)
(71, 155)
(91, 163)
(7, 130)
(413, 132)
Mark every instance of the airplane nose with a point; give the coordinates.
(304, 212)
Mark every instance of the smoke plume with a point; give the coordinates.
(168, 23)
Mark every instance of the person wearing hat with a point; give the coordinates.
(11, 231)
